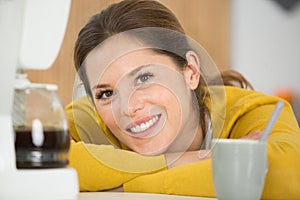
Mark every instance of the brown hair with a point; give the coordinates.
(134, 14)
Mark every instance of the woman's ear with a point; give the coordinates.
(192, 71)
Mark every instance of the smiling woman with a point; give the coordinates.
(146, 90)
(159, 99)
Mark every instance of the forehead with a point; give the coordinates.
(116, 58)
(107, 52)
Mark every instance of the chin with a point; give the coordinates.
(150, 152)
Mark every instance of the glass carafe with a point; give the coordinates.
(41, 130)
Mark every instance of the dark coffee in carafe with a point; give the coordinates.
(52, 153)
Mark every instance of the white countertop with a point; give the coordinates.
(133, 196)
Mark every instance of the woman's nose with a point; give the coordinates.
(134, 103)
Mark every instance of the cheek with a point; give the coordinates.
(106, 115)
(163, 97)
(170, 102)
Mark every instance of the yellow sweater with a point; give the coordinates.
(103, 166)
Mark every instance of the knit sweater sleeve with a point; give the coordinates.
(102, 167)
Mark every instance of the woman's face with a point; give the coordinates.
(145, 100)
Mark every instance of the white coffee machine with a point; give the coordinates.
(31, 33)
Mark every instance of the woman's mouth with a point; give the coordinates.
(143, 127)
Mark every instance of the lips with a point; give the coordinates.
(143, 127)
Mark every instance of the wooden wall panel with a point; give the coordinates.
(207, 22)
(204, 20)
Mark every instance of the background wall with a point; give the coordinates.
(265, 44)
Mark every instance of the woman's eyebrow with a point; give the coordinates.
(100, 86)
(135, 71)
(130, 74)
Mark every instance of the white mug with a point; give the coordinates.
(239, 168)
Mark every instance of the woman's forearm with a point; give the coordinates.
(181, 158)
(178, 159)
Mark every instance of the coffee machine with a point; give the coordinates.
(31, 33)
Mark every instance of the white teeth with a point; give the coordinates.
(143, 126)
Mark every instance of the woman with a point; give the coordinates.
(159, 100)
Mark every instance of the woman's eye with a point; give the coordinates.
(104, 95)
(143, 78)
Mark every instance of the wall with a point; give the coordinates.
(265, 44)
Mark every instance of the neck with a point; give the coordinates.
(198, 140)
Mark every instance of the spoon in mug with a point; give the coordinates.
(272, 121)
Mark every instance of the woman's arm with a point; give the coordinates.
(178, 159)
(103, 167)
